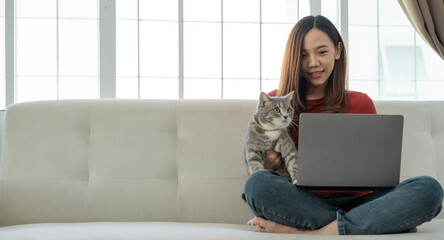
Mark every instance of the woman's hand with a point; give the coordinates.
(272, 159)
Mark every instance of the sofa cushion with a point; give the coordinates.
(183, 231)
(211, 167)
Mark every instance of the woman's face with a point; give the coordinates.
(318, 59)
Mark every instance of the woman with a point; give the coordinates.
(315, 67)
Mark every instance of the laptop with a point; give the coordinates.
(349, 151)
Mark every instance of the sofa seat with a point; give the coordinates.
(178, 231)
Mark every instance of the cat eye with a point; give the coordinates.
(277, 110)
(288, 110)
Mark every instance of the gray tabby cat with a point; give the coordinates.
(269, 124)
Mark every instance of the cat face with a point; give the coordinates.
(275, 112)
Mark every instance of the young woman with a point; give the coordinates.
(315, 67)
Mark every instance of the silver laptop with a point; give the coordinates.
(349, 151)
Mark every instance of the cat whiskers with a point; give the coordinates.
(295, 123)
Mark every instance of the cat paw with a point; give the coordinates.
(295, 182)
(251, 222)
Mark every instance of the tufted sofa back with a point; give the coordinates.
(423, 138)
(154, 160)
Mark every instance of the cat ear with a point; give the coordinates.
(263, 98)
(289, 96)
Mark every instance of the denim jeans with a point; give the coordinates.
(411, 203)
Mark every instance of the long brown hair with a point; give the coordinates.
(335, 99)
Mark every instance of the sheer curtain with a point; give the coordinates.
(427, 17)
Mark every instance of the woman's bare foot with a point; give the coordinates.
(263, 225)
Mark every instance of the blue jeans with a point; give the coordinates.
(411, 203)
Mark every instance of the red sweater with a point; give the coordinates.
(357, 103)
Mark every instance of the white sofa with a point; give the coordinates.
(152, 169)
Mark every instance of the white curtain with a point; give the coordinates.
(427, 17)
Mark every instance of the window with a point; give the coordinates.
(147, 49)
(57, 50)
(388, 59)
(330, 10)
(192, 49)
(232, 49)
